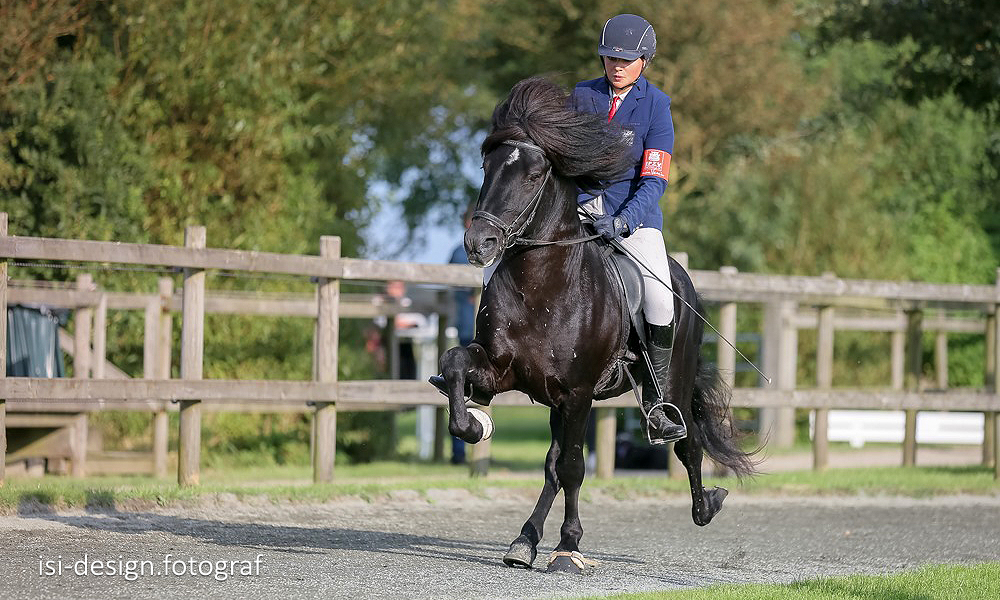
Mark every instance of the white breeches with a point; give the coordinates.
(649, 251)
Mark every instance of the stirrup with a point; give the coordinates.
(665, 440)
(638, 399)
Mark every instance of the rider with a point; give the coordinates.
(628, 209)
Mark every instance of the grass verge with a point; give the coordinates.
(293, 484)
(979, 582)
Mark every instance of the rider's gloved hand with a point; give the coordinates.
(610, 226)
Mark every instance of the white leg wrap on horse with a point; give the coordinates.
(484, 420)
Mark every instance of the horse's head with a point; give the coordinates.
(515, 176)
(581, 147)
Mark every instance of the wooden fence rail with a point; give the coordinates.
(826, 303)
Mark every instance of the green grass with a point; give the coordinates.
(372, 481)
(31, 494)
(519, 443)
(929, 583)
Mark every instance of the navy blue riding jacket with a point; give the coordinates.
(645, 112)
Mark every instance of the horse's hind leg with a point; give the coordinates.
(459, 366)
(524, 549)
(704, 503)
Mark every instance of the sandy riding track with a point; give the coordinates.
(450, 545)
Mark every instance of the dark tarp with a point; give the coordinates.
(33, 342)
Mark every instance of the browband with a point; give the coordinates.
(525, 145)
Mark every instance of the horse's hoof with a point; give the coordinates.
(713, 504)
(521, 554)
(471, 393)
(484, 420)
(569, 562)
(438, 382)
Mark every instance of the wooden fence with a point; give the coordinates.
(791, 303)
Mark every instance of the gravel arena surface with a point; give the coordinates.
(449, 544)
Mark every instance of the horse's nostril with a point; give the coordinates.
(488, 245)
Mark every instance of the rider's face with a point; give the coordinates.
(622, 73)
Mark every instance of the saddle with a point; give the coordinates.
(618, 377)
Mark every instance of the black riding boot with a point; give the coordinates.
(661, 428)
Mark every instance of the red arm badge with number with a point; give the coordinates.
(655, 163)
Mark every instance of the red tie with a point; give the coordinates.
(614, 107)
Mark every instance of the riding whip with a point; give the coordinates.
(621, 248)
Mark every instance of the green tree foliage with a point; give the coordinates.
(941, 46)
(858, 137)
(935, 48)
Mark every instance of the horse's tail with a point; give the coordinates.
(710, 399)
(718, 435)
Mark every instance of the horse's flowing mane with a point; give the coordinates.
(581, 146)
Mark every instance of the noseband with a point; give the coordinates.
(510, 235)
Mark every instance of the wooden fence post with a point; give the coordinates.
(606, 421)
(989, 429)
(725, 358)
(898, 358)
(441, 413)
(150, 337)
(327, 338)
(726, 355)
(482, 452)
(3, 352)
(82, 323)
(994, 417)
(100, 337)
(824, 381)
(914, 363)
(941, 355)
(150, 342)
(164, 344)
(780, 348)
(81, 370)
(192, 357)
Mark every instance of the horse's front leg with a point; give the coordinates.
(466, 367)
(523, 550)
(570, 469)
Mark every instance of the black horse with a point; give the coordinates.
(551, 321)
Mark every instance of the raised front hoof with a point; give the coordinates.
(521, 554)
(569, 562)
(439, 382)
(470, 394)
(713, 504)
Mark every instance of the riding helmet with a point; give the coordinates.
(628, 37)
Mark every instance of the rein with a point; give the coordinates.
(511, 234)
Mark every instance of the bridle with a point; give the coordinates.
(511, 234)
